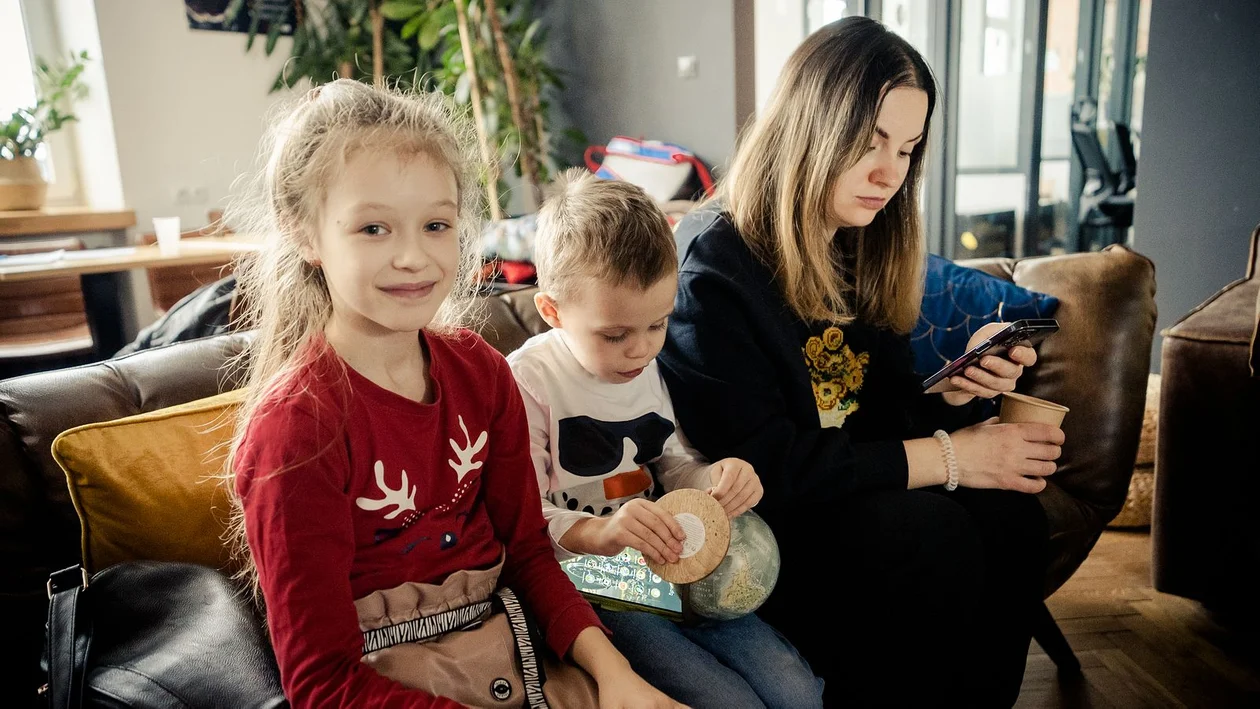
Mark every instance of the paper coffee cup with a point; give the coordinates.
(167, 230)
(1021, 408)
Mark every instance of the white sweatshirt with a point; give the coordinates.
(592, 441)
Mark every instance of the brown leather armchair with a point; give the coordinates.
(1097, 365)
(1203, 535)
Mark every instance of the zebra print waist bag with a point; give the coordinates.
(468, 640)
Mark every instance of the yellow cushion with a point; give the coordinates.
(149, 486)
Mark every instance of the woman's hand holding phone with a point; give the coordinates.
(993, 373)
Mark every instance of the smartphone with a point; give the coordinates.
(623, 582)
(1021, 332)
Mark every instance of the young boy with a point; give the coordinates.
(607, 272)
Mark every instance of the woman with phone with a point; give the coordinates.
(789, 348)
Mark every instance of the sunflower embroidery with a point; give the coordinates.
(836, 374)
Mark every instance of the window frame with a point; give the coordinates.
(61, 161)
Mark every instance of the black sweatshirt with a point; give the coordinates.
(820, 411)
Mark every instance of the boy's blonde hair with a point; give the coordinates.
(286, 298)
(607, 231)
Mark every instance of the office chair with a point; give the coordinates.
(1128, 173)
(1105, 207)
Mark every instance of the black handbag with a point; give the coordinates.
(155, 634)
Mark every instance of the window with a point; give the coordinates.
(26, 31)
(824, 12)
(17, 84)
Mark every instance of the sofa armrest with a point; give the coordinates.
(1097, 365)
(509, 319)
(1251, 276)
(39, 529)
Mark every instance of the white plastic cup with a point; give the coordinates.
(167, 230)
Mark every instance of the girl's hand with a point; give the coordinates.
(642, 525)
(735, 485)
(1007, 456)
(619, 686)
(994, 374)
(627, 690)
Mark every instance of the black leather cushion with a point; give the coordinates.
(176, 635)
(39, 530)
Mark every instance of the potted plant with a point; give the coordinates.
(22, 184)
(485, 53)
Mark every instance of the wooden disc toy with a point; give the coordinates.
(708, 535)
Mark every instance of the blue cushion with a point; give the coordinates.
(957, 301)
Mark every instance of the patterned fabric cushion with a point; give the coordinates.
(957, 301)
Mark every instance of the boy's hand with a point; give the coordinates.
(735, 485)
(642, 525)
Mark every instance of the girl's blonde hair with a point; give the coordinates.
(285, 298)
(818, 124)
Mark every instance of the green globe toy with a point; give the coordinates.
(746, 576)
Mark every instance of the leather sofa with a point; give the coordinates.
(1204, 541)
(1097, 365)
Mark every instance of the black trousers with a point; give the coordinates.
(934, 598)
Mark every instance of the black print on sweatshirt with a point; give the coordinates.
(590, 448)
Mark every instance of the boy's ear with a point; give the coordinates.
(547, 309)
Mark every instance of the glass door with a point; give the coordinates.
(990, 181)
(1054, 197)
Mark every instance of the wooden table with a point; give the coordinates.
(102, 277)
(64, 220)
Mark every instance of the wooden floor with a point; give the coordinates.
(1139, 647)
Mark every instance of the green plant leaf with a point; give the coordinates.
(413, 25)
(358, 11)
(395, 45)
(529, 34)
(273, 35)
(299, 42)
(446, 10)
(431, 33)
(401, 9)
(232, 10)
(254, 21)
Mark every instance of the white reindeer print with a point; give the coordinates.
(403, 500)
(466, 464)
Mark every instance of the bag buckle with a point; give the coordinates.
(62, 580)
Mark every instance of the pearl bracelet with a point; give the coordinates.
(951, 462)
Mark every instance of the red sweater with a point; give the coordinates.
(460, 485)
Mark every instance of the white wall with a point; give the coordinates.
(988, 106)
(779, 26)
(100, 179)
(187, 106)
(620, 60)
(1198, 187)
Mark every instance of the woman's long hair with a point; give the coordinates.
(818, 124)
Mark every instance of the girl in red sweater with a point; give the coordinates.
(382, 461)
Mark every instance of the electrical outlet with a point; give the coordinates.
(199, 194)
(687, 68)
